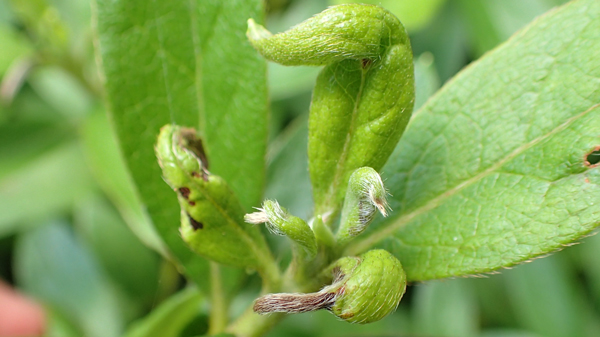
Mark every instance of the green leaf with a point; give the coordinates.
(445, 309)
(212, 218)
(288, 180)
(427, 81)
(483, 33)
(508, 333)
(55, 268)
(489, 22)
(186, 63)
(13, 46)
(23, 142)
(62, 91)
(108, 167)
(43, 188)
(590, 250)
(445, 38)
(490, 172)
(170, 318)
(548, 298)
(234, 97)
(133, 266)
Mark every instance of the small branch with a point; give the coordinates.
(218, 306)
(251, 324)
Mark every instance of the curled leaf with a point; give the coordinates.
(280, 222)
(211, 215)
(363, 98)
(364, 197)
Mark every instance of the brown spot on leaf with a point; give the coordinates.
(192, 203)
(196, 225)
(185, 192)
(194, 143)
(365, 63)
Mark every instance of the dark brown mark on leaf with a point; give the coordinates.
(194, 143)
(196, 225)
(191, 203)
(185, 192)
(365, 63)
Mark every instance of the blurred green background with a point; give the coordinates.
(74, 235)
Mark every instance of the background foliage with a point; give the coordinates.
(74, 235)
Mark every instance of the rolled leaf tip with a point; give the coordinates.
(256, 32)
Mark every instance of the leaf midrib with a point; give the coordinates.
(330, 204)
(372, 238)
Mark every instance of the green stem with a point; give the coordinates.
(218, 306)
(251, 324)
(271, 275)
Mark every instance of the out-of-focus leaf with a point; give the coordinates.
(170, 318)
(427, 81)
(445, 39)
(490, 22)
(413, 14)
(76, 14)
(45, 187)
(285, 82)
(494, 307)
(288, 182)
(13, 46)
(164, 62)
(28, 107)
(508, 16)
(323, 324)
(484, 35)
(482, 178)
(43, 23)
(22, 142)
(62, 91)
(6, 13)
(508, 333)
(445, 308)
(52, 266)
(288, 81)
(110, 171)
(59, 326)
(546, 298)
(124, 258)
(589, 253)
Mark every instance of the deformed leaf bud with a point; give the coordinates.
(373, 288)
(365, 196)
(211, 215)
(280, 222)
(364, 290)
